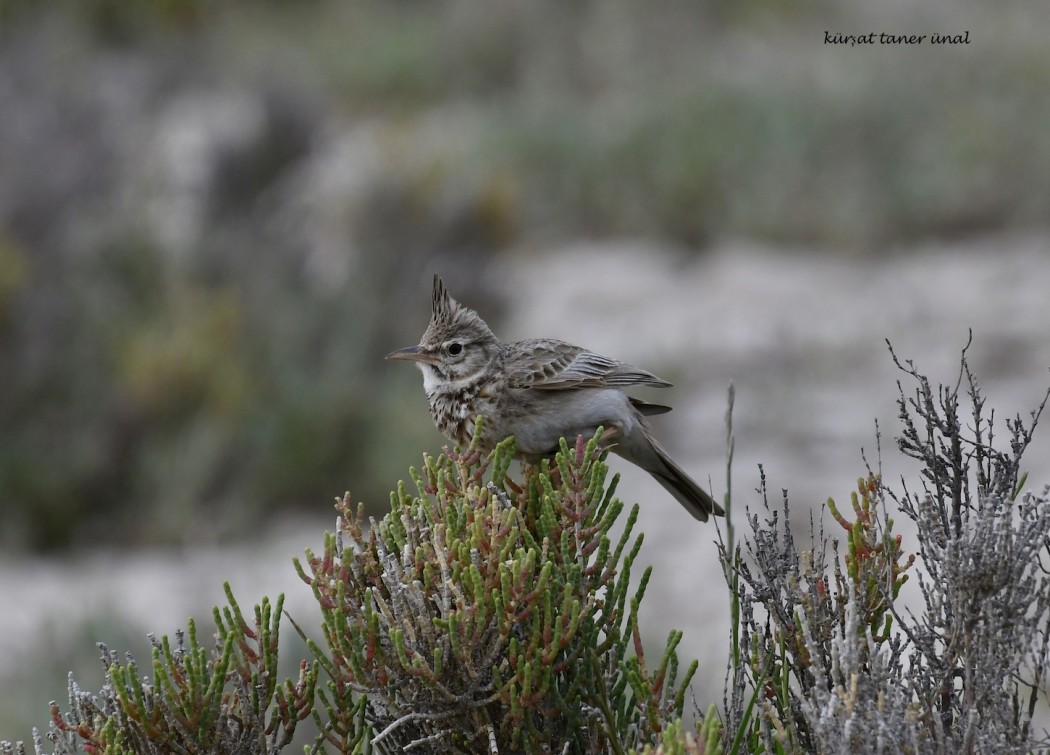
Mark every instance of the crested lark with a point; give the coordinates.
(539, 391)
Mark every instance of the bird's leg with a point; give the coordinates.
(610, 437)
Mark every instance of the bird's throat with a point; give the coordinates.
(435, 383)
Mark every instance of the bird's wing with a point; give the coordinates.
(647, 409)
(556, 365)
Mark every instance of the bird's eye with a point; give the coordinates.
(455, 348)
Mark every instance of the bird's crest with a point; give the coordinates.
(448, 316)
(445, 307)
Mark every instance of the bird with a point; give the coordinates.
(539, 391)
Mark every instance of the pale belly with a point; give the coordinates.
(537, 419)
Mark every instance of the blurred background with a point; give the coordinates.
(216, 219)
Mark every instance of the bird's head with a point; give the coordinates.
(457, 344)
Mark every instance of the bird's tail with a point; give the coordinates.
(651, 457)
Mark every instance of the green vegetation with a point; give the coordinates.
(475, 615)
(484, 615)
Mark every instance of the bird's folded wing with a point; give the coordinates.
(555, 365)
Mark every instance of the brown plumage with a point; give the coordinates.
(539, 390)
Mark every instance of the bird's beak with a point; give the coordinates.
(412, 354)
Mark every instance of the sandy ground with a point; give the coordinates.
(800, 334)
